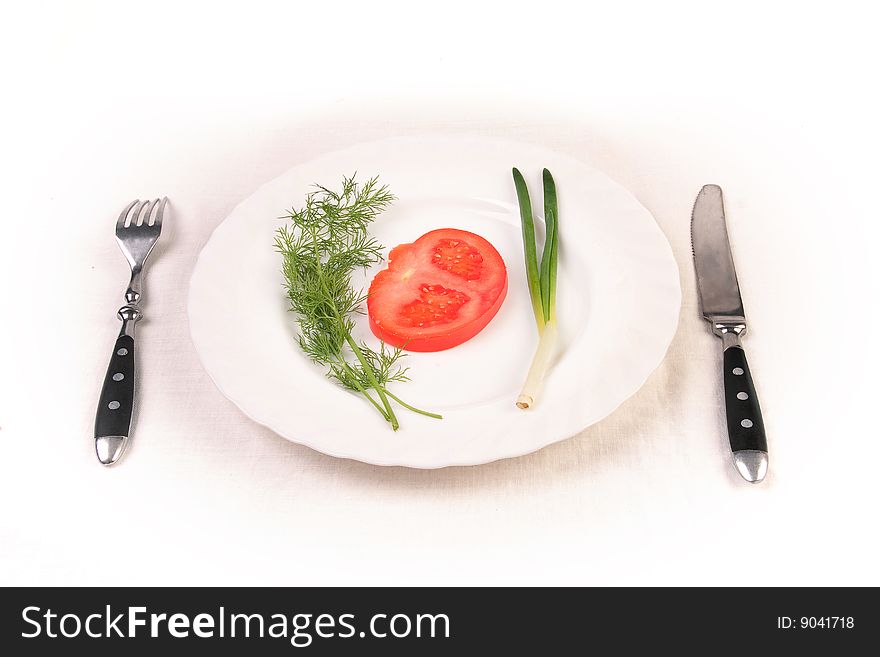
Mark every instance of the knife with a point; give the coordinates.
(722, 307)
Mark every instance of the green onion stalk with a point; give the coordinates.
(541, 280)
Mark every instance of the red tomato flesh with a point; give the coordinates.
(437, 292)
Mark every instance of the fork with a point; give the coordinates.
(137, 230)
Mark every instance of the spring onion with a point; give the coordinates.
(541, 280)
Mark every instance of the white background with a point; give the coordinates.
(105, 102)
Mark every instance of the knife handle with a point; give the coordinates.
(116, 403)
(745, 426)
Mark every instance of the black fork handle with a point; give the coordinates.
(117, 395)
(116, 403)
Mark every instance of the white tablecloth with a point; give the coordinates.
(206, 104)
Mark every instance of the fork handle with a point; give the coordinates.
(116, 404)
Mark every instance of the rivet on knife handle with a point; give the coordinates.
(745, 426)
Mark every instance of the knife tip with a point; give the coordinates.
(751, 464)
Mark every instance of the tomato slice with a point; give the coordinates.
(437, 292)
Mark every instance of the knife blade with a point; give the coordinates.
(721, 305)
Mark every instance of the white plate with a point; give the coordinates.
(618, 304)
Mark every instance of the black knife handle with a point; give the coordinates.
(117, 396)
(745, 426)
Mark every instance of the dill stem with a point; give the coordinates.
(412, 408)
(368, 370)
(366, 394)
(389, 412)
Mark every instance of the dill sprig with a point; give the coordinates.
(324, 242)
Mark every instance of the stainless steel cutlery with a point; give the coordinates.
(137, 231)
(722, 307)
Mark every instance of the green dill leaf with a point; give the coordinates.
(321, 245)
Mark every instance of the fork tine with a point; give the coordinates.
(136, 213)
(144, 219)
(144, 215)
(120, 223)
(157, 220)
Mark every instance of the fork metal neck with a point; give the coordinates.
(133, 293)
(130, 313)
